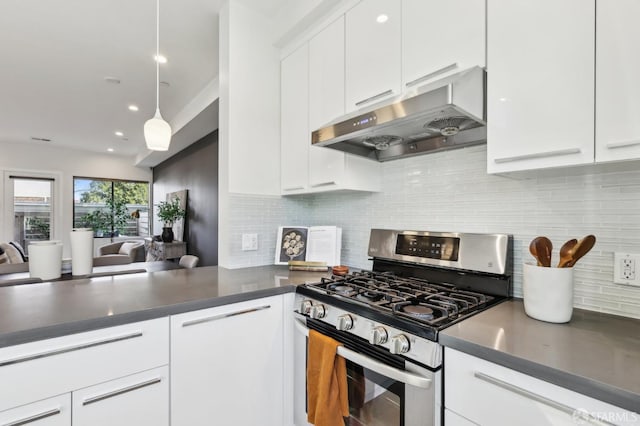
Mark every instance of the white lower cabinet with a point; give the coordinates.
(136, 400)
(227, 365)
(54, 411)
(453, 419)
(485, 393)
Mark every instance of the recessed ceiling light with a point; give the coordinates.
(110, 149)
(112, 80)
(382, 18)
(160, 59)
(133, 107)
(119, 134)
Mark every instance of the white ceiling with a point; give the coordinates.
(56, 54)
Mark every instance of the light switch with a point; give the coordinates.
(249, 242)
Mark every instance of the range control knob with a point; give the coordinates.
(378, 336)
(317, 311)
(305, 307)
(399, 344)
(345, 322)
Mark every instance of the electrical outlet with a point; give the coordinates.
(249, 242)
(624, 268)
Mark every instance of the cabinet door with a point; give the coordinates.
(373, 52)
(617, 83)
(54, 411)
(426, 55)
(473, 385)
(326, 101)
(139, 399)
(226, 365)
(294, 123)
(540, 76)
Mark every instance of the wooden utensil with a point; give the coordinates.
(582, 247)
(566, 252)
(540, 248)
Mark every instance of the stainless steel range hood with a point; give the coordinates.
(446, 114)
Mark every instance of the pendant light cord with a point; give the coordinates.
(157, 55)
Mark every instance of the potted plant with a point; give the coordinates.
(169, 212)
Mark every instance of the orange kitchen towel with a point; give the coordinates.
(327, 393)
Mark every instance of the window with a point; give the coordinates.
(32, 203)
(111, 207)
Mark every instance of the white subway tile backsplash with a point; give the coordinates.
(451, 191)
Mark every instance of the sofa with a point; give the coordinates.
(120, 253)
(13, 258)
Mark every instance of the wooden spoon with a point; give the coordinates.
(566, 252)
(540, 248)
(582, 247)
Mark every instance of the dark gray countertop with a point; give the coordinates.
(38, 311)
(594, 354)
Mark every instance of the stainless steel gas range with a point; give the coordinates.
(388, 318)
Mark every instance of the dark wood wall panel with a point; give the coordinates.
(195, 169)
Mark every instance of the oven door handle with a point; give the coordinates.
(373, 365)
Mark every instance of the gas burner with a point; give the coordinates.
(419, 311)
(341, 288)
(369, 296)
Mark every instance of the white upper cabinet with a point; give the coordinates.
(294, 116)
(617, 82)
(441, 47)
(540, 100)
(373, 52)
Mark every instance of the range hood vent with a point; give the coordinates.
(446, 114)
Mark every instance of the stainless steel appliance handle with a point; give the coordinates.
(374, 97)
(35, 417)
(70, 349)
(332, 182)
(432, 74)
(623, 144)
(222, 316)
(576, 413)
(376, 366)
(121, 391)
(538, 155)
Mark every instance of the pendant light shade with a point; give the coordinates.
(157, 132)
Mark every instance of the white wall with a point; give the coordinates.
(65, 164)
(249, 132)
(451, 191)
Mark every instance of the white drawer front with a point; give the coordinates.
(453, 419)
(54, 411)
(489, 394)
(38, 370)
(139, 399)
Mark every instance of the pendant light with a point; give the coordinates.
(157, 132)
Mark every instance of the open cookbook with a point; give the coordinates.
(311, 244)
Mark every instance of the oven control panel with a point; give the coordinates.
(394, 340)
(428, 246)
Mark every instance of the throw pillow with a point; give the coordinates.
(12, 253)
(125, 248)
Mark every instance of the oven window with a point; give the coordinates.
(374, 400)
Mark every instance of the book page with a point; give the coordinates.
(322, 243)
(291, 244)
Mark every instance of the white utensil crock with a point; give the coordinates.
(45, 259)
(548, 293)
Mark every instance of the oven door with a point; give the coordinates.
(384, 389)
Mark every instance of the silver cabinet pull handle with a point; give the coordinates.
(376, 366)
(35, 417)
(623, 144)
(538, 155)
(293, 188)
(374, 97)
(121, 391)
(432, 74)
(71, 349)
(541, 399)
(221, 316)
(316, 185)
